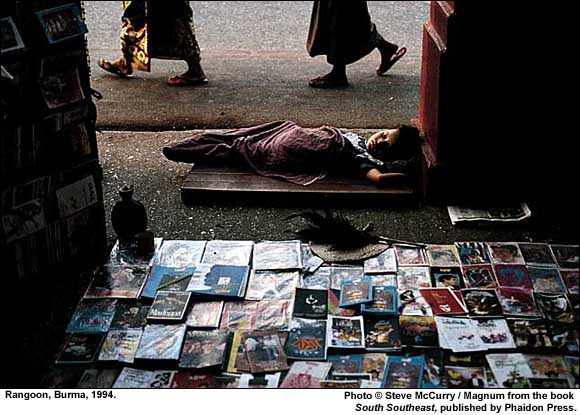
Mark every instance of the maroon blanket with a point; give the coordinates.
(279, 149)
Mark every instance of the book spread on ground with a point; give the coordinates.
(459, 335)
(169, 306)
(205, 314)
(472, 253)
(446, 277)
(386, 261)
(204, 349)
(403, 372)
(118, 281)
(272, 285)
(479, 276)
(311, 303)
(385, 301)
(443, 301)
(270, 255)
(121, 345)
(306, 375)
(219, 280)
(307, 339)
(92, 316)
(443, 256)
(505, 253)
(346, 332)
(411, 256)
(80, 348)
(169, 275)
(133, 378)
(482, 302)
(228, 252)
(418, 331)
(161, 342)
(339, 273)
(180, 254)
(382, 333)
(356, 292)
(265, 352)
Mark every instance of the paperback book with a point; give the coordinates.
(403, 372)
(219, 280)
(518, 302)
(443, 301)
(351, 363)
(97, 379)
(345, 332)
(117, 281)
(274, 314)
(412, 303)
(374, 364)
(555, 307)
(571, 281)
(547, 366)
(505, 253)
(537, 254)
(272, 285)
(121, 345)
(271, 255)
(413, 278)
(356, 292)
(472, 253)
(384, 262)
(510, 370)
(311, 303)
(340, 273)
(494, 333)
(169, 306)
(334, 305)
(133, 378)
(180, 254)
(382, 333)
(130, 315)
(530, 334)
(418, 331)
(466, 377)
(479, 276)
(228, 252)
(566, 255)
(205, 314)
(546, 280)
(513, 276)
(317, 280)
(205, 349)
(385, 301)
(92, 316)
(443, 256)
(265, 352)
(306, 374)
(161, 342)
(307, 339)
(411, 256)
(239, 315)
(446, 277)
(80, 348)
(161, 273)
(259, 380)
(459, 335)
(482, 302)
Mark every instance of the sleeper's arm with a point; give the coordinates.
(375, 176)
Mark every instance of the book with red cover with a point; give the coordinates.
(443, 301)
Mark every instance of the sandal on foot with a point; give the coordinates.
(323, 83)
(114, 69)
(181, 80)
(394, 58)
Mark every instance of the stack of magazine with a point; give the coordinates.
(244, 314)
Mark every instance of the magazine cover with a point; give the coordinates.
(114, 281)
(272, 285)
(564, 337)
(265, 352)
(161, 342)
(61, 23)
(412, 303)
(403, 372)
(350, 363)
(546, 280)
(121, 345)
(238, 360)
(505, 253)
(192, 380)
(129, 315)
(260, 380)
(384, 262)
(446, 277)
(345, 332)
(411, 256)
(306, 374)
(494, 333)
(482, 303)
(97, 379)
(472, 253)
(168, 274)
(219, 280)
(174, 282)
(459, 334)
(228, 252)
(443, 301)
(566, 255)
(479, 276)
(443, 256)
(270, 255)
(356, 292)
(518, 302)
(465, 377)
(204, 349)
(132, 378)
(556, 307)
(384, 279)
(420, 331)
(169, 305)
(80, 348)
(537, 254)
(311, 303)
(374, 364)
(413, 278)
(547, 366)
(530, 334)
(571, 281)
(310, 261)
(385, 301)
(205, 314)
(433, 370)
(307, 339)
(510, 370)
(340, 273)
(273, 314)
(180, 254)
(92, 316)
(318, 280)
(513, 276)
(334, 305)
(239, 315)
(382, 333)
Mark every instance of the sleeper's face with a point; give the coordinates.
(380, 143)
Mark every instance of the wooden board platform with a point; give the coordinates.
(206, 182)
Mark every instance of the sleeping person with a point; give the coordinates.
(286, 151)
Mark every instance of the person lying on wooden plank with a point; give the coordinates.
(286, 151)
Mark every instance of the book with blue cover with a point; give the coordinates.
(385, 301)
(356, 292)
(307, 339)
(92, 316)
(219, 280)
(403, 372)
(167, 275)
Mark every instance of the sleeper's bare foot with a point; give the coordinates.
(330, 80)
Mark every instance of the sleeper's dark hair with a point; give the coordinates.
(409, 141)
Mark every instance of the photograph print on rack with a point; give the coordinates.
(61, 23)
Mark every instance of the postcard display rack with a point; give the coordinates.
(51, 202)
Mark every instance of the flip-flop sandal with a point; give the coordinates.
(383, 68)
(115, 70)
(181, 80)
(324, 84)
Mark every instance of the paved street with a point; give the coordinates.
(255, 57)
